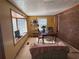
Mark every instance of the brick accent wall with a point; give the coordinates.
(68, 26)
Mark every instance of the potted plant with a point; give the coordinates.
(43, 28)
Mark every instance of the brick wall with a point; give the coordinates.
(68, 26)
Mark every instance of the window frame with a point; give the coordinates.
(16, 40)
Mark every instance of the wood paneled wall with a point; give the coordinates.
(68, 26)
(10, 50)
(50, 21)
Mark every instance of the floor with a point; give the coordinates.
(25, 53)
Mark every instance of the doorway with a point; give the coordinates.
(2, 56)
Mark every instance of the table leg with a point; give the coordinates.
(43, 39)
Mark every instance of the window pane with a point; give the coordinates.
(22, 26)
(14, 24)
(42, 22)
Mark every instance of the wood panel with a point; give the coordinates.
(6, 28)
(50, 21)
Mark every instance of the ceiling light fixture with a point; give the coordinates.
(48, 0)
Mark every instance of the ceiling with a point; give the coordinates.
(43, 7)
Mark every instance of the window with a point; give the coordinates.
(42, 22)
(14, 24)
(19, 24)
(22, 26)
